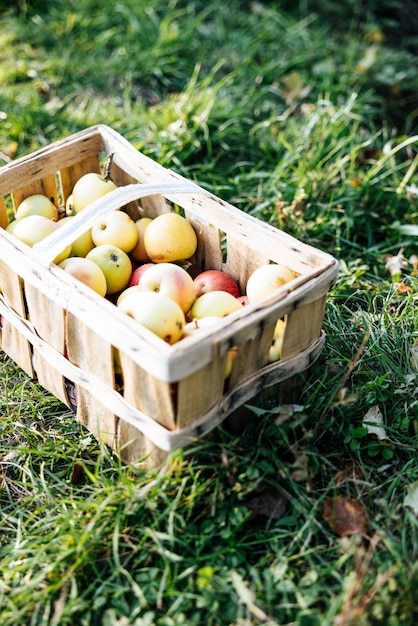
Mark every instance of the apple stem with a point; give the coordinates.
(108, 165)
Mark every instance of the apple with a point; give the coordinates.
(126, 292)
(157, 312)
(87, 272)
(37, 204)
(230, 357)
(137, 273)
(115, 264)
(172, 281)
(34, 228)
(169, 237)
(139, 253)
(216, 280)
(89, 188)
(11, 226)
(215, 303)
(243, 299)
(116, 228)
(83, 244)
(277, 341)
(69, 207)
(266, 279)
(197, 325)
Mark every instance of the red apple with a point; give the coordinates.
(137, 273)
(216, 280)
(244, 300)
(172, 281)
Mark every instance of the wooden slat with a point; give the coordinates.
(120, 178)
(155, 399)
(154, 205)
(48, 319)
(90, 352)
(49, 160)
(12, 342)
(242, 261)
(46, 186)
(209, 251)
(147, 393)
(68, 176)
(4, 217)
(303, 327)
(251, 356)
(200, 391)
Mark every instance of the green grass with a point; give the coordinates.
(303, 115)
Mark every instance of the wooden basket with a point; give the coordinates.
(141, 396)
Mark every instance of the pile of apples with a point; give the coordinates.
(140, 265)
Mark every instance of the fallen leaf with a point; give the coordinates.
(402, 288)
(350, 471)
(373, 423)
(77, 474)
(395, 264)
(345, 516)
(411, 498)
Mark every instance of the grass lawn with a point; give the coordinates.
(305, 115)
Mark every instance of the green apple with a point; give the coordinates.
(215, 303)
(89, 188)
(37, 204)
(83, 244)
(266, 279)
(172, 281)
(87, 272)
(169, 237)
(116, 228)
(159, 314)
(34, 228)
(115, 264)
(139, 253)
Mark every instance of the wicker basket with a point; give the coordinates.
(141, 396)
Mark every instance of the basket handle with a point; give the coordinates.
(48, 249)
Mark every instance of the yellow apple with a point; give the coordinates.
(169, 237)
(139, 253)
(159, 314)
(83, 244)
(215, 303)
(87, 272)
(266, 279)
(89, 188)
(230, 357)
(37, 204)
(69, 208)
(172, 281)
(34, 228)
(277, 341)
(197, 325)
(116, 228)
(11, 226)
(115, 264)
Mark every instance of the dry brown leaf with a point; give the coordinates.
(350, 471)
(345, 516)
